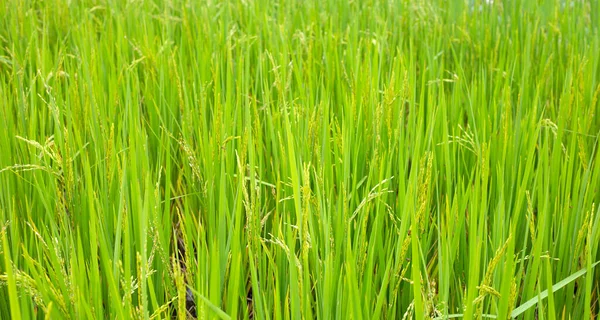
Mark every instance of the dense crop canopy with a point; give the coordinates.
(254, 159)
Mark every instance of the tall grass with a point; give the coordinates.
(299, 159)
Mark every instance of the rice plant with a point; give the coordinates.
(254, 159)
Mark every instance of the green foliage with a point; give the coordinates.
(299, 159)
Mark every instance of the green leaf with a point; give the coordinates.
(212, 307)
(533, 301)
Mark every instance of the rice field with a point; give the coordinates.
(255, 159)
